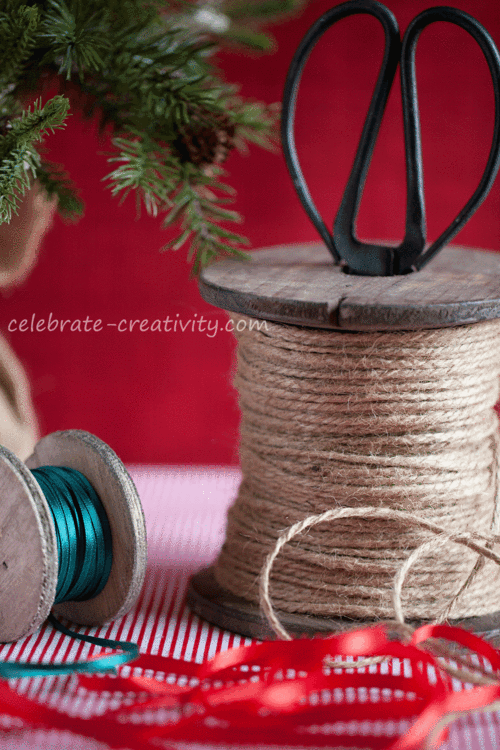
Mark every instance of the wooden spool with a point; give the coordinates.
(28, 547)
(299, 285)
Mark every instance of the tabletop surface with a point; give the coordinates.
(185, 515)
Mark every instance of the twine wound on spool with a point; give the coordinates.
(392, 436)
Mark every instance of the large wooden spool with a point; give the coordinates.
(298, 285)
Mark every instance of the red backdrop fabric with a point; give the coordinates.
(159, 397)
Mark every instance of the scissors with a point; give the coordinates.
(411, 255)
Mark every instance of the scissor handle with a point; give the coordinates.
(345, 248)
(371, 127)
(409, 92)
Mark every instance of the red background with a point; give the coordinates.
(166, 397)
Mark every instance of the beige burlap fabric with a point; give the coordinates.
(19, 245)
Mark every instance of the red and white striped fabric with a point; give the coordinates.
(185, 514)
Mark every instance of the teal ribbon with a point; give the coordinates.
(83, 534)
(10, 670)
(84, 548)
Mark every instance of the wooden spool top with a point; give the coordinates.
(299, 285)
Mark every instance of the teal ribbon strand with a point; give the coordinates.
(83, 534)
(84, 548)
(10, 670)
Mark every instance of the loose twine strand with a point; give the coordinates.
(389, 443)
(468, 539)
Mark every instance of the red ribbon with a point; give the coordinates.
(282, 693)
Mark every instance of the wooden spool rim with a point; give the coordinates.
(28, 551)
(210, 601)
(300, 285)
(84, 452)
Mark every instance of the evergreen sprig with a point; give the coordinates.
(202, 206)
(56, 182)
(17, 33)
(144, 171)
(74, 36)
(19, 162)
(147, 69)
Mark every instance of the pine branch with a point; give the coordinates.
(74, 37)
(194, 200)
(145, 67)
(15, 172)
(17, 34)
(142, 171)
(150, 86)
(198, 213)
(19, 161)
(33, 125)
(56, 182)
(255, 123)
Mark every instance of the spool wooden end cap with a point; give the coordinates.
(299, 285)
(207, 599)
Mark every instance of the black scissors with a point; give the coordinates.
(347, 250)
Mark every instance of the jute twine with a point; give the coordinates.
(370, 473)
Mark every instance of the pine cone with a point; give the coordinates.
(207, 142)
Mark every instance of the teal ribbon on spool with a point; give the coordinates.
(85, 555)
(83, 534)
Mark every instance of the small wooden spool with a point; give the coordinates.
(299, 285)
(28, 547)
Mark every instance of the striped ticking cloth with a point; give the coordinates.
(185, 515)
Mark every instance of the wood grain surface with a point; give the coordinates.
(28, 551)
(80, 450)
(299, 285)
